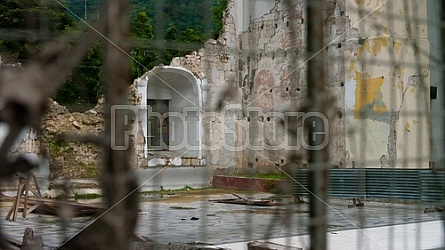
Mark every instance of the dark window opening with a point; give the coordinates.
(158, 125)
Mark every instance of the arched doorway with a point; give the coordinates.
(171, 122)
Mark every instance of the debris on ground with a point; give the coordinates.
(257, 245)
(31, 242)
(433, 209)
(244, 201)
(145, 243)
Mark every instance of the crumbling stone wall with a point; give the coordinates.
(68, 158)
(273, 63)
(261, 71)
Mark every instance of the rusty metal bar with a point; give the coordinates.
(318, 158)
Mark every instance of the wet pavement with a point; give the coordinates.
(47, 226)
(192, 218)
(221, 223)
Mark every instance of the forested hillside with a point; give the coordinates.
(160, 30)
(177, 14)
(24, 25)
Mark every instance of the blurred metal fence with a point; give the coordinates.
(385, 184)
(397, 189)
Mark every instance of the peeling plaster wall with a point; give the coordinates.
(387, 86)
(378, 85)
(273, 79)
(266, 76)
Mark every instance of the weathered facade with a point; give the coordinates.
(239, 102)
(387, 85)
(237, 93)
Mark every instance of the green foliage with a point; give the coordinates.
(85, 82)
(142, 32)
(185, 188)
(271, 176)
(61, 196)
(89, 171)
(30, 19)
(176, 30)
(87, 196)
(270, 186)
(141, 26)
(217, 16)
(163, 191)
(361, 40)
(50, 221)
(160, 31)
(192, 36)
(57, 146)
(172, 33)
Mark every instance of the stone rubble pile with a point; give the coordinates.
(70, 159)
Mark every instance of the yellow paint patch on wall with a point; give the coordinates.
(351, 65)
(400, 71)
(407, 127)
(397, 46)
(399, 74)
(378, 44)
(368, 94)
(413, 89)
(379, 109)
(362, 48)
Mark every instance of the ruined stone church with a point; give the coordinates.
(238, 102)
